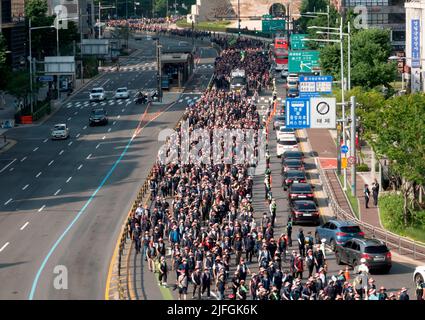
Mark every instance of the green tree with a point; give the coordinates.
(18, 85)
(310, 6)
(35, 9)
(398, 133)
(370, 49)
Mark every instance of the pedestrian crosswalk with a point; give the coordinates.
(127, 69)
(189, 99)
(204, 66)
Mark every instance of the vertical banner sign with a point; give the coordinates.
(416, 54)
(298, 113)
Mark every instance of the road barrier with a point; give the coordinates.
(403, 245)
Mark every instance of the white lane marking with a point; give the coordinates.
(4, 246)
(24, 226)
(119, 116)
(77, 135)
(51, 162)
(25, 187)
(69, 179)
(181, 100)
(60, 153)
(45, 140)
(103, 138)
(69, 143)
(38, 174)
(88, 157)
(41, 209)
(69, 118)
(35, 149)
(75, 113)
(8, 201)
(11, 169)
(109, 130)
(23, 159)
(122, 110)
(57, 192)
(85, 127)
(113, 123)
(5, 167)
(80, 167)
(98, 146)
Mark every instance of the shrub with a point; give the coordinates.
(391, 208)
(362, 167)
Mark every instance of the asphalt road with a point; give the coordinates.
(62, 203)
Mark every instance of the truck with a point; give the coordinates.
(238, 80)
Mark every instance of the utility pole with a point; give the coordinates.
(342, 98)
(30, 61)
(353, 145)
(239, 18)
(159, 72)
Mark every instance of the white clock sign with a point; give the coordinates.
(323, 112)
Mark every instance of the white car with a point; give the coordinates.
(279, 67)
(285, 133)
(291, 84)
(286, 145)
(419, 274)
(293, 77)
(97, 94)
(60, 131)
(122, 93)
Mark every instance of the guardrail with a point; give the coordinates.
(403, 245)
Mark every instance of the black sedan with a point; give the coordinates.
(293, 176)
(292, 155)
(304, 211)
(301, 191)
(292, 164)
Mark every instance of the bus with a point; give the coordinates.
(280, 56)
(281, 42)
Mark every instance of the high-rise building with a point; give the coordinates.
(385, 14)
(12, 27)
(75, 10)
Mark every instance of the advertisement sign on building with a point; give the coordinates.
(416, 45)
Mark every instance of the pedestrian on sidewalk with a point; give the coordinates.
(375, 192)
(289, 232)
(163, 272)
(366, 192)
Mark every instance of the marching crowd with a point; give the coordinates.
(159, 26)
(201, 226)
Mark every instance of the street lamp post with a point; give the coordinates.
(100, 24)
(324, 14)
(30, 28)
(341, 42)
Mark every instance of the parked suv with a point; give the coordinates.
(374, 251)
(338, 232)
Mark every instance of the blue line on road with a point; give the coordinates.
(43, 265)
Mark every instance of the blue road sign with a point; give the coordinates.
(344, 149)
(313, 86)
(45, 78)
(416, 47)
(298, 113)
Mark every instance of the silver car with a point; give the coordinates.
(60, 131)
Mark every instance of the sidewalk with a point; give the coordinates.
(324, 146)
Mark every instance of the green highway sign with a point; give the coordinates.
(303, 61)
(272, 25)
(296, 41)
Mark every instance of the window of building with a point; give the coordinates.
(399, 36)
